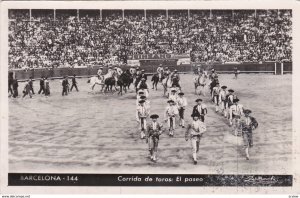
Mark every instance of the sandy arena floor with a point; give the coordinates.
(88, 133)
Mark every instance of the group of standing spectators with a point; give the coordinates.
(69, 41)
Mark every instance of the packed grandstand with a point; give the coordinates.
(74, 38)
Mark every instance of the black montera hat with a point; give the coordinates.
(236, 100)
(141, 101)
(154, 116)
(247, 111)
(170, 101)
(195, 115)
(199, 99)
(143, 97)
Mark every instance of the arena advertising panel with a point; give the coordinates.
(164, 97)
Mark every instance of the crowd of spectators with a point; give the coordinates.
(72, 41)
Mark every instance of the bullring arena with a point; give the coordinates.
(97, 133)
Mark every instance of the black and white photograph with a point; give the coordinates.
(136, 91)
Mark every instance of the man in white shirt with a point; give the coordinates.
(195, 132)
(222, 100)
(142, 112)
(170, 114)
(181, 104)
(215, 96)
(235, 112)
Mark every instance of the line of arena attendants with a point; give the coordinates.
(135, 74)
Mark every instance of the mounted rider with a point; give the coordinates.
(110, 73)
(213, 74)
(167, 72)
(100, 71)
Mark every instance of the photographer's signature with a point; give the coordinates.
(261, 179)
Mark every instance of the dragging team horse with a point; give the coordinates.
(123, 81)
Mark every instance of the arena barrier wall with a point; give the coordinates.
(268, 67)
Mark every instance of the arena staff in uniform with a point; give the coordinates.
(195, 132)
(10, 83)
(27, 90)
(215, 96)
(47, 87)
(235, 112)
(74, 82)
(65, 86)
(15, 86)
(68, 84)
(115, 75)
(154, 130)
(31, 85)
(143, 86)
(222, 100)
(181, 104)
(248, 124)
(236, 72)
(142, 112)
(200, 108)
(42, 85)
(170, 114)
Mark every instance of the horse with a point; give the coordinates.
(155, 79)
(96, 80)
(123, 81)
(129, 79)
